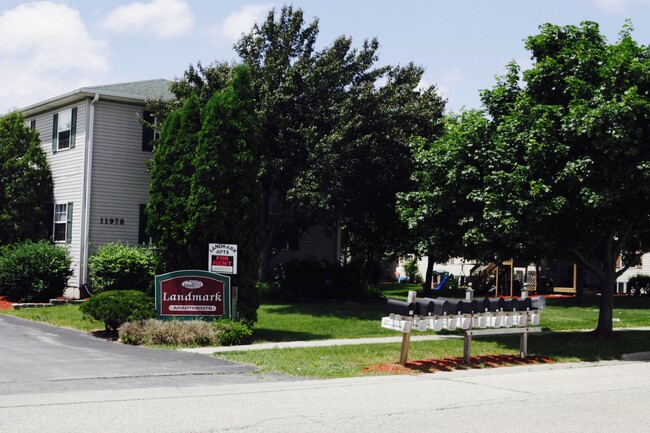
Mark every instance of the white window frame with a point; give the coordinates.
(60, 218)
(63, 128)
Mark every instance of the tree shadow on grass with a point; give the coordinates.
(342, 309)
(585, 346)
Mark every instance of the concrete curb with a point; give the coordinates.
(638, 356)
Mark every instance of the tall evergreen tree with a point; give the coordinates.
(171, 174)
(25, 182)
(223, 204)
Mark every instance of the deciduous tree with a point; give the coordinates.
(25, 182)
(567, 161)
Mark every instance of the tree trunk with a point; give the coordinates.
(427, 289)
(264, 269)
(605, 314)
(580, 286)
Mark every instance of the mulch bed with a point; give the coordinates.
(5, 305)
(450, 364)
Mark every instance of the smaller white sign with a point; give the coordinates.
(222, 258)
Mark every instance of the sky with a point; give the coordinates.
(48, 48)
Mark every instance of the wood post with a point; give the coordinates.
(406, 338)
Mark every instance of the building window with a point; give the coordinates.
(64, 128)
(32, 125)
(62, 231)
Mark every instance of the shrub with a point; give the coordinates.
(638, 284)
(116, 307)
(185, 333)
(412, 271)
(173, 332)
(232, 333)
(115, 266)
(34, 271)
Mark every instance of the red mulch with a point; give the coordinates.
(449, 364)
(5, 305)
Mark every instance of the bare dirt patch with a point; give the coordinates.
(450, 364)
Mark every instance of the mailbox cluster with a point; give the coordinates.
(440, 313)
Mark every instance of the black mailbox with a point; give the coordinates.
(470, 307)
(455, 305)
(493, 304)
(403, 308)
(537, 303)
(440, 306)
(424, 307)
(521, 304)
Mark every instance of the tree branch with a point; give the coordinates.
(587, 263)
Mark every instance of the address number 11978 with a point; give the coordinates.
(119, 221)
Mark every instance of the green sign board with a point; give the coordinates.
(192, 295)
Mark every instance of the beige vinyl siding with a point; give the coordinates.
(314, 244)
(67, 167)
(120, 181)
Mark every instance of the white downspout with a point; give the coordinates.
(89, 172)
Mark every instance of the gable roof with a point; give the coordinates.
(145, 89)
(133, 92)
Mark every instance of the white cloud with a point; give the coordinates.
(618, 7)
(612, 6)
(241, 21)
(162, 18)
(45, 48)
(454, 75)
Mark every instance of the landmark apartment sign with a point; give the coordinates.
(192, 294)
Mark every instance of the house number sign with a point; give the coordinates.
(118, 221)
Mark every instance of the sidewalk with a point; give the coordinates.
(314, 343)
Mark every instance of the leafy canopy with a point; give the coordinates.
(25, 182)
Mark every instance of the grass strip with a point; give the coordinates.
(350, 361)
(65, 316)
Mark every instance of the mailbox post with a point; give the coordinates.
(406, 337)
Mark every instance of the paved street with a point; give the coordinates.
(48, 384)
(605, 397)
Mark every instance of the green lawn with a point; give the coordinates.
(326, 320)
(319, 321)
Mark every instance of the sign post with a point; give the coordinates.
(193, 294)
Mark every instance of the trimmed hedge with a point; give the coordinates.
(116, 307)
(34, 271)
(115, 266)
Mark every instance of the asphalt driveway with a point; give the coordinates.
(39, 358)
